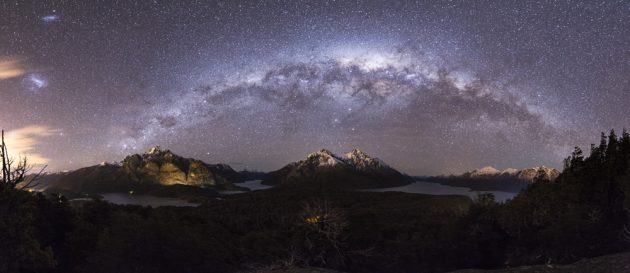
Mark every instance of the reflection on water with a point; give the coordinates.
(254, 185)
(439, 189)
(145, 200)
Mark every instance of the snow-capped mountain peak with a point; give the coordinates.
(355, 159)
(488, 170)
(527, 174)
(352, 169)
(361, 160)
(324, 157)
(356, 153)
(530, 173)
(510, 171)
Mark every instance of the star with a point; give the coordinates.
(431, 87)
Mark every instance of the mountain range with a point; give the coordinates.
(158, 172)
(491, 179)
(354, 169)
(527, 174)
(161, 172)
(154, 171)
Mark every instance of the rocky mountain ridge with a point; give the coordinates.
(527, 174)
(354, 169)
(166, 168)
(142, 172)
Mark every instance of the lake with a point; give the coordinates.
(254, 185)
(416, 187)
(145, 200)
(439, 189)
(154, 201)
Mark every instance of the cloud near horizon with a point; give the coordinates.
(24, 141)
(11, 67)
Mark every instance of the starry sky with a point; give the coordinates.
(430, 87)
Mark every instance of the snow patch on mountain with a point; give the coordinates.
(530, 173)
(488, 170)
(509, 171)
(362, 161)
(527, 174)
(356, 159)
(324, 157)
(354, 169)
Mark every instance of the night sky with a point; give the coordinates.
(428, 86)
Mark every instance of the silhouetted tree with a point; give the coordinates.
(575, 160)
(20, 251)
(14, 172)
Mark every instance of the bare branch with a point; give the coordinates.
(15, 171)
(35, 177)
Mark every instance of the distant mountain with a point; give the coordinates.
(142, 173)
(509, 171)
(485, 171)
(530, 173)
(355, 170)
(491, 179)
(526, 175)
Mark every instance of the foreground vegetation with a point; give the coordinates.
(582, 214)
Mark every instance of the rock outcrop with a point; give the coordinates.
(142, 172)
(166, 168)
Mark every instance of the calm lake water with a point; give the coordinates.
(154, 201)
(254, 185)
(439, 189)
(145, 200)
